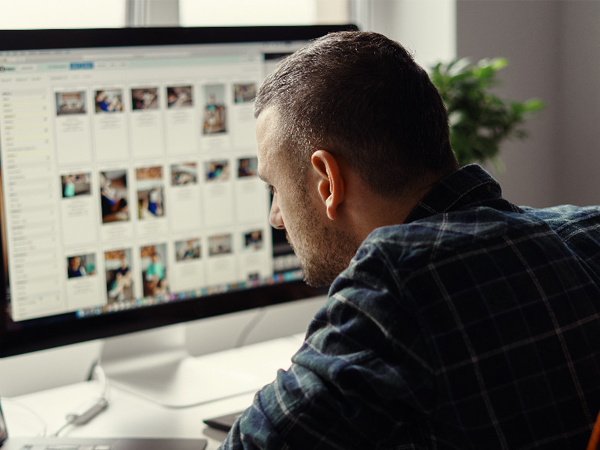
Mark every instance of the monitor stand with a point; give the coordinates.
(157, 366)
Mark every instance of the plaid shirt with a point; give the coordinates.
(473, 325)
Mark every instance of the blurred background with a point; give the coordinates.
(553, 49)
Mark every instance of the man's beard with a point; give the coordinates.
(324, 252)
(329, 253)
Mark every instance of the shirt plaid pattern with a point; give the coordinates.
(473, 325)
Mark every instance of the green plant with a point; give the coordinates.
(479, 121)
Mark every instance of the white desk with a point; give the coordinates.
(131, 416)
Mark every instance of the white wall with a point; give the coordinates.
(578, 127)
(427, 28)
(553, 48)
(527, 34)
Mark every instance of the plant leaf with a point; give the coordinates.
(479, 120)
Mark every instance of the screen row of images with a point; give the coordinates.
(154, 266)
(111, 101)
(150, 185)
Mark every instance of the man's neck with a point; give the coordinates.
(365, 210)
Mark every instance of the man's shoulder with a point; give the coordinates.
(484, 223)
(477, 234)
(397, 254)
(567, 218)
(475, 226)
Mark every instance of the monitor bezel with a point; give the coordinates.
(124, 37)
(35, 334)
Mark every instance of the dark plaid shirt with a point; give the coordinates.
(473, 325)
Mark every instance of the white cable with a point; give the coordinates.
(62, 428)
(102, 379)
(91, 408)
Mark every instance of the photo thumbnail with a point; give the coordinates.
(119, 275)
(253, 240)
(179, 97)
(81, 265)
(247, 167)
(220, 244)
(214, 110)
(150, 187)
(109, 100)
(113, 196)
(154, 271)
(217, 170)
(187, 249)
(70, 103)
(184, 173)
(244, 92)
(75, 184)
(144, 98)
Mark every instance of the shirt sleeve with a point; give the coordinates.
(360, 380)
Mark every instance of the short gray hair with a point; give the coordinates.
(362, 97)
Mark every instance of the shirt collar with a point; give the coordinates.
(469, 187)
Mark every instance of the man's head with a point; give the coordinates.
(74, 262)
(354, 106)
(323, 250)
(362, 97)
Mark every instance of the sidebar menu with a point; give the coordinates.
(30, 202)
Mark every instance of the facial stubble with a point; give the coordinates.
(324, 252)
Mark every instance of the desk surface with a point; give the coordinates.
(128, 415)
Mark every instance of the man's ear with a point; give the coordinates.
(330, 182)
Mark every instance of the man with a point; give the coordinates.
(155, 276)
(456, 320)
(75, 269)
(122, 281)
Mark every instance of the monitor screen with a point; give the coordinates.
(129, 195)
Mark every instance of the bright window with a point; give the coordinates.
(18, 14)
(23, 14)
(262, 12)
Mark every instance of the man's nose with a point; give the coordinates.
(275, 216)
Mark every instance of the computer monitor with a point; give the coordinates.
(130, 198)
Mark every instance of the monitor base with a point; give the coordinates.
(172, 378)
